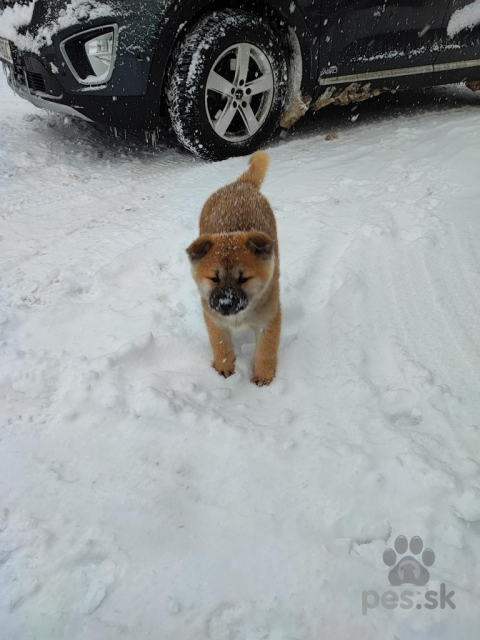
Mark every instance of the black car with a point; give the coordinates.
(225, 74)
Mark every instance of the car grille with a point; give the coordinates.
(11, 3)
(29, 72)
(36, 81)
(34, 74)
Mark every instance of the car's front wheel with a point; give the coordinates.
(227, 85)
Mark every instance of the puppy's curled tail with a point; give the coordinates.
(257, 170)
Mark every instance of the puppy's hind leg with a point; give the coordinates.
(268, 340)
(222, 347)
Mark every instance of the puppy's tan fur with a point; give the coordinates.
(236, 259)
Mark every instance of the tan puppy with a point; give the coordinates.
(236, 267)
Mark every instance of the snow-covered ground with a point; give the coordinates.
(144, 497)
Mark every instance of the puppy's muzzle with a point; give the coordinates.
(228, 302)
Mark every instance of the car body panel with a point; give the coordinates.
(366, 36)
(460, 43)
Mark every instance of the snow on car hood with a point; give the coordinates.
(13, 20)
(466, 18)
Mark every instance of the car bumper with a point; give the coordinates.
(44, 102)
(31, 77)
(128, 99)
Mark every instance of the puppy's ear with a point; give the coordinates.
(260, 244)
(199, 249)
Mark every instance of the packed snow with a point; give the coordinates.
(142, 495)
(467, 17)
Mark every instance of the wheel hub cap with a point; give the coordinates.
(239, 92)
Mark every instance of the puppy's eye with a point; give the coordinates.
(242, 279)
(215, 279)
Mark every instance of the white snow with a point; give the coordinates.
(143, 496)
(12, 18)
(74, 12)
(467, 17)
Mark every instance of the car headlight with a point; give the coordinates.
(90, 55)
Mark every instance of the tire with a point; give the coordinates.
(250, 59)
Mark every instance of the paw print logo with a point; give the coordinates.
(407, 569)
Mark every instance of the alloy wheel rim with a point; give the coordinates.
(239, 92)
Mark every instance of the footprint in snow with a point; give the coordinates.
(231, 621)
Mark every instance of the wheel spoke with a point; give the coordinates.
(243, 63)
(260, 85)
(249, 118)
(218, 83)
(225, 120)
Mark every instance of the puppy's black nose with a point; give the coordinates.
(227, 302)
(226, 306)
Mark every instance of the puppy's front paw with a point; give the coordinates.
(262, 381)
(225, 369)
(264, 373)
